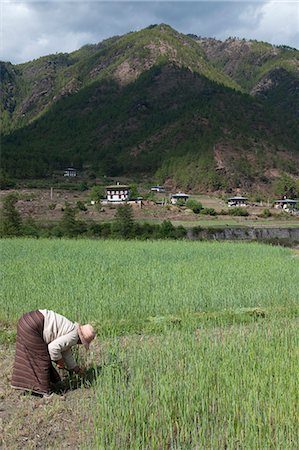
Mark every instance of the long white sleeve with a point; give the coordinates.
(60, 348)
(60, 334)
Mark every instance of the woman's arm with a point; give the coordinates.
(60, 349)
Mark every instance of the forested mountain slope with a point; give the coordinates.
(195, 111)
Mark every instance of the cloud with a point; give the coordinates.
(32, 29)
(273, 21)
(279, 23)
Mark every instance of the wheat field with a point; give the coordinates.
(197, 343)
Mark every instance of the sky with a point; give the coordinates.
(30, 29)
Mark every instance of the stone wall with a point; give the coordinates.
(252, 234)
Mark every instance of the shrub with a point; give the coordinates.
(56, 231)
(194, 205)
(181, 202)
(102, 230)
(238, 211)
(266, 213)
(151, 196)
(81, 206)
(208, 211)
(180, 232)
(83, 186)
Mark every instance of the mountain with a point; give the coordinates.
(196, 112)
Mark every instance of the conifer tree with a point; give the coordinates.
(11, 218)
(69, 224)
(124, 221)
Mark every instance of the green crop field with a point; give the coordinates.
(197, 342)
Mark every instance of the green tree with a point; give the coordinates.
(5, 181)
(124, 221)
(11, 218)
(134, 193)
(30, 228)
(286, 186)
(97, 193)
(68, 224)
(167, 229)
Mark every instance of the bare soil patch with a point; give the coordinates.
(31, 422)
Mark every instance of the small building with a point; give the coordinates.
(179, 196)
(157, 189)
(118, 193)
(70, 172)
(286, 204)
(237, 201)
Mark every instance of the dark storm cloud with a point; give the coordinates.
(32, 29)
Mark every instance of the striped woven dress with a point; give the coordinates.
(33, 369)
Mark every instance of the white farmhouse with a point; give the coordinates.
(70, 172)
(286, 204)
(179, 196)
(157, 189)
(237, 201)
(117, 193)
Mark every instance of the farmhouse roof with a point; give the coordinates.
(238, 198)
(117, 186)
(286, 200)
(180, 194)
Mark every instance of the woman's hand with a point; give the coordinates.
(79, 371)
(60, 364)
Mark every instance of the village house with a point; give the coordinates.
(157, 189)
(179, 196)
(237, 201)
(70, 172)
(286, 204)
(117, 193)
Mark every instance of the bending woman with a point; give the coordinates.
(44, 336)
